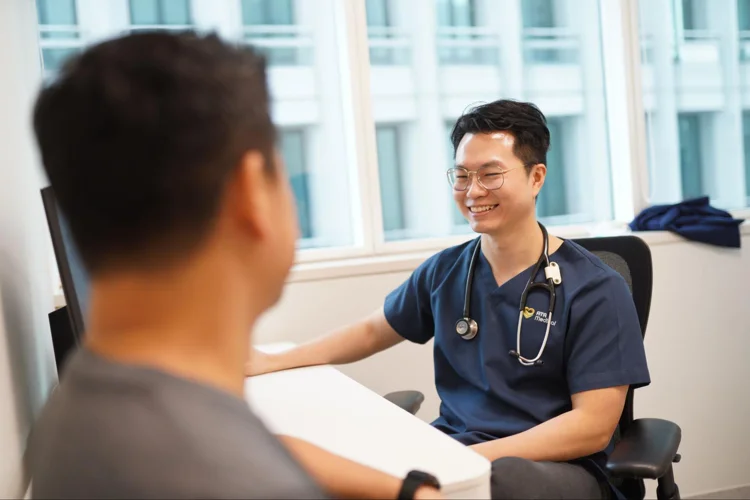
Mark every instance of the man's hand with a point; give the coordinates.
(343, 478)
(427, 493)
(584, 430)
(259, 362)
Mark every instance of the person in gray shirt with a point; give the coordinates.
(161, 153)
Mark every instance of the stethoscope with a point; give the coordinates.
(467, 328)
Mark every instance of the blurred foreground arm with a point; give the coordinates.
(342, 478)
(345, 345)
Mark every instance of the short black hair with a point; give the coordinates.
(522, 119)
(139, 136)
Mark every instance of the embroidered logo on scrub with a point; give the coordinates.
(541, 316)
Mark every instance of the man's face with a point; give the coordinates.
(492, 210)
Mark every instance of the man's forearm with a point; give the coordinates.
(571, 435)
(342, 478)
(345, 345)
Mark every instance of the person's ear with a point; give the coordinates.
(538, 174)
(253, 195)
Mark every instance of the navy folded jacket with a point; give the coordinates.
(692, 219)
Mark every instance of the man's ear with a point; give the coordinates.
(538, 174)
(252, 197)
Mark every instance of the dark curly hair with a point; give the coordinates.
(522, 119)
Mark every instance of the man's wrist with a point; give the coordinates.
(417, 485)
(427, 493)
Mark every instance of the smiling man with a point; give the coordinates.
(542, 405)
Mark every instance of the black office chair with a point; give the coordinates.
(645, 448)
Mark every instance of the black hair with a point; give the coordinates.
(523, 120)
(139, 136)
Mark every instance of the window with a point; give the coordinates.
(446, 79)
(305, 83)
(693, 97)
(368, 171)
(270, 25)
(58, 33)
(160, 13)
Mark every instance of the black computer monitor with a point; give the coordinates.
(68, 323)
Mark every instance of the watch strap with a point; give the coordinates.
(415, 480)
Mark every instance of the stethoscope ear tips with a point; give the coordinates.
(513, 353)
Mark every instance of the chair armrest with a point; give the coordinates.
(406, 400)
(646, 450)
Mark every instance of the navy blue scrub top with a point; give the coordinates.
(595, 341)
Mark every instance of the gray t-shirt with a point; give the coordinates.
(111, 430)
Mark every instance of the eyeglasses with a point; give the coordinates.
(490, 177)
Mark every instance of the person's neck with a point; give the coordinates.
(193, 322)
(514, 250)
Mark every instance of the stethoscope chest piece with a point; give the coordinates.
(467, 328)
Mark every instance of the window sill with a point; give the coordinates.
(408, 261)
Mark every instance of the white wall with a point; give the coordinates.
(698, 346)
(27, 366)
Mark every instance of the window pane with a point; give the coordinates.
(695, 91)
(377, 13)
(450, 70)
(56, 12)
(270, 27)
(293, 149)
(691, 154)
(389, 43)
(144, 12)
(461, 40)
(304, 82)
(688, 15)
(58, 20)
(160, 12)
(389, 168)
(553, 198)
(54, 58)
(175, 12)
(743, 15)
(538, 14)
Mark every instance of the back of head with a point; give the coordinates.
(139, 137)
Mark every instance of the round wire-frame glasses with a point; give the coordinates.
(490, 177)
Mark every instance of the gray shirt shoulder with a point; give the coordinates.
(116, 431)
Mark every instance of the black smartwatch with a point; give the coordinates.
(415, 480)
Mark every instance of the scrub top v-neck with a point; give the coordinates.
(594, 342)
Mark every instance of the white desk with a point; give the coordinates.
(325, 407)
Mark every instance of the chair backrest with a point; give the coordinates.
(631, 258)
